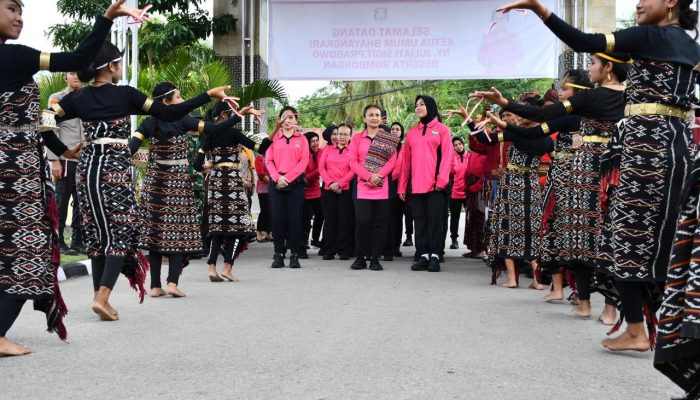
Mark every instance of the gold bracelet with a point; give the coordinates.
(609, 43)
(567, 105)
(44, 61)
(58, 110)
(500, 137)
(545, 128)
(139, 135)
(200, 127)
(147, 105)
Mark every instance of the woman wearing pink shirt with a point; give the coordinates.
(336, 197)
(312, 196)
(286, 160)
(427, 162)
(372, 202)
(458, 195)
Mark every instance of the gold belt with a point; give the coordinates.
(595, 139)
(518, 168)
(655, 109)
(227, 164)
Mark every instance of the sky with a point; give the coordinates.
(41, 14)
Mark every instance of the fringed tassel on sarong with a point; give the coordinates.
(547, 212)
(135, 269)
(652, 322)
(57, 309)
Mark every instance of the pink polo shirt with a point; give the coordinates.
(287, 157)
(420, 158)
(313, 188)
(335, 166)
(459, 168)
(358, 152)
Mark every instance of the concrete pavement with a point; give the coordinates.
(326, 332)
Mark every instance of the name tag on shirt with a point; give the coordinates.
(435, 132)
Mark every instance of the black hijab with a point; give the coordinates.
(431, 107)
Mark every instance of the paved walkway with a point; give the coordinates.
(326, 332)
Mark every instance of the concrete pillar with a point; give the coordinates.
(592, 16)
(228, 47)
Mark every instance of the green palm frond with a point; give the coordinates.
(259, 90)
(49, 85)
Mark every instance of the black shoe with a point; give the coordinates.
(397, 253)
(388, 257)
(316, 243)
(359, 263)
(421, 265)
(374, 265)
(327, 257)
(408, 241)
(416, 257)
(433, 265)
(454, 244)
(294, 261)
(344, 257)
(278, 261)
(303, 255)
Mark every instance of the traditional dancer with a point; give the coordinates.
(655, 156)
(27, 204)
(228, 223)
(517, 212)
(168, 211)
(286, 159)
(104, 173)
(336, 197)
(372, 158)
(427, 162)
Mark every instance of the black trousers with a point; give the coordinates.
(338, 225)
(371, 221)
(106, 270)
(429, 215)
(175, 264)
(395, 227)
(408, 217)
(10, 308)
(287, 218)
(230, 243)
(65, 188)
(264, 216)
(632, 298)
(455, 212)
(312, 210)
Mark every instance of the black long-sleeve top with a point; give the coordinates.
(601, 103)
(20, 63)
(97, 103)
(151, 127)
(523, 139)
(232, 138)
(668, 43)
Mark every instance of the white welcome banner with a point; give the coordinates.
(404, 39)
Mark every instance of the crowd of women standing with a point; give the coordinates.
(617, 214)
